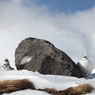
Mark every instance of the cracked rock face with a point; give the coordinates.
(40, 55)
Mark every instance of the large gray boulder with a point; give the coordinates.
(40, 55)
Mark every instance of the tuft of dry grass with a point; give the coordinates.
(49, 90)
(81, 89)
(65, 93)
(78, 90)
(9, 86)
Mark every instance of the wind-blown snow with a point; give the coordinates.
(75, 44)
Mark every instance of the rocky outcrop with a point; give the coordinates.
(40, 55)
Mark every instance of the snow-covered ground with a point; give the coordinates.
(75, 44)
(44, 81)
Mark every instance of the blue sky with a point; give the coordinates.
(67, 6)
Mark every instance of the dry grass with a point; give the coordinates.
(49, 90)
(81, 89)
(9, 86)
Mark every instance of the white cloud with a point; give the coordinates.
(14, 12)
(79, 21)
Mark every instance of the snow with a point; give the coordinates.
(44, 81)
(30, 92)
(75, 44)
(26, 59)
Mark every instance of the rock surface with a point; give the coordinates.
(40, 55)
